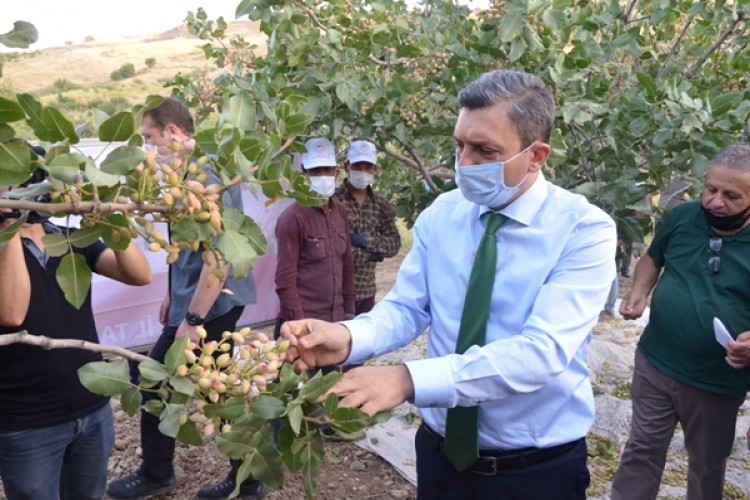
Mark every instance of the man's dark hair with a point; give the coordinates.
(528, 103)
(172, 111)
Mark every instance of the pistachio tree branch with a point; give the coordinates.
(24, 337)
(675, 45)
(414, 161)
(741, 16)
(81, 207)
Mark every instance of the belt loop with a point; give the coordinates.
(522, 460)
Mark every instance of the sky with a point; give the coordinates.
(58, 21)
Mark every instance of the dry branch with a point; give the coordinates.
(24, 337)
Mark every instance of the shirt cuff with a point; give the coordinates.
(362, 341)
(433, 383)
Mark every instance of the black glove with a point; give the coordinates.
(358, 240)
(376, 257)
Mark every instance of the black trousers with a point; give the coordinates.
(561, 478)
(158, 449)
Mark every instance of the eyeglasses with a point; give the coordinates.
(714, 262)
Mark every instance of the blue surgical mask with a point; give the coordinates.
(485, 184)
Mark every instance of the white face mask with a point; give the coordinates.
(324, 185)
(360, 180)
(485, 184)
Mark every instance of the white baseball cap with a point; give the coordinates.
(362, 151)
(319, 153)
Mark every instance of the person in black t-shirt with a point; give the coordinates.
(55, 435)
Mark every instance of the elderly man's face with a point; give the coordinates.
(726, 191)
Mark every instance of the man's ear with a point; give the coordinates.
(539, 154)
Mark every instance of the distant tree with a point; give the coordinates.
(88, 38)
(63, 84)
(126, 71)
(150, 62)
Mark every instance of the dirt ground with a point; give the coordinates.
(348, 472)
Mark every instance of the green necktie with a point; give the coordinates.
(462, 425)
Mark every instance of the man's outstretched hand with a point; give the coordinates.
(315, 343)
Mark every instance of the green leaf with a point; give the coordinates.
(152, 371)
(117, 128)
(105, 378)
(318, 386)
(512, 24)
(267, 407)
(189, 434)
(287, 441)
(176, 353)
(10, 111)
(116, 222)
(66, 167)
(381, 418)
(99, 178)
(74, 278)
(169, 420)
(131, 400)
(15, 163)
(33, 109)
(7, 233)
(232, 408)
(191, 230)
(57, 127)
(183, 385)
(297, 123)
(349, 420)
(240, 112)
(237, 250)
(123, 160)
(56, 245)
(264, 463)
(295, 416)
(84, 237)
(21, 36)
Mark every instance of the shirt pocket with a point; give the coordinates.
(313, 248)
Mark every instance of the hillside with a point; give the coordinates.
(85, 66)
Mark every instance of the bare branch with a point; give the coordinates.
(675, 45)
(741, 16)
(311, 15)
(629, 10)
(414, 162)
(24, 337)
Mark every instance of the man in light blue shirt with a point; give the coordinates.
(555, 265)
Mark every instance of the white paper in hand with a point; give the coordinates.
(721, 333)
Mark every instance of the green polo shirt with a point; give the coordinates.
(679, 338)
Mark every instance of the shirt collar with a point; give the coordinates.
(524, 208)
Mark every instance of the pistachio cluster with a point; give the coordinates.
(220, 371)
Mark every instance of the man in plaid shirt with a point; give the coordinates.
(374, 235)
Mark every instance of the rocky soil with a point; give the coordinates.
(356, 470)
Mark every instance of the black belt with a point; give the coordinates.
(491, 463)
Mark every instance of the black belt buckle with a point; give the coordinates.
(485, 466)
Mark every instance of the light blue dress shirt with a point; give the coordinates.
(555, 265)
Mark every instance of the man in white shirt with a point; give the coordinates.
(554, 267)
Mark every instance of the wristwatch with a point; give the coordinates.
(194, 319)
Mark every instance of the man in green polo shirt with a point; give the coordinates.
(700, 258)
